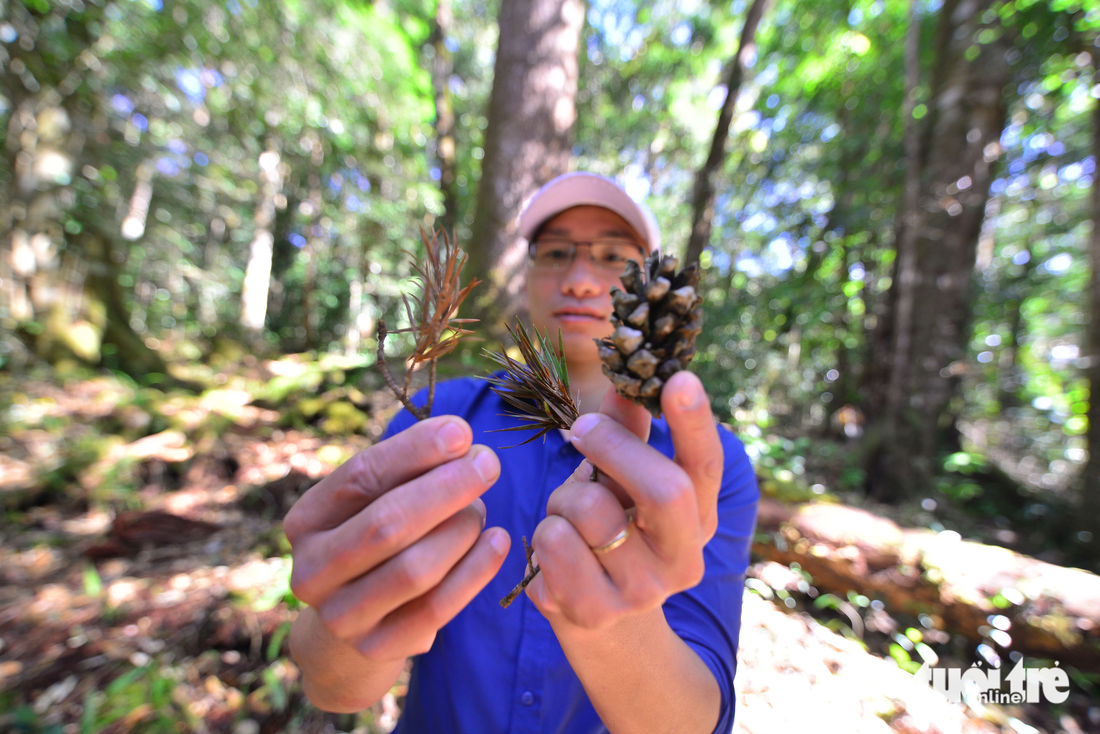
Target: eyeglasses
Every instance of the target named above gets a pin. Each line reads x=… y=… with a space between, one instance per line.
x=609 y=255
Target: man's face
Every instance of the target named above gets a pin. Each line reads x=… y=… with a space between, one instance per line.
x=578 y=299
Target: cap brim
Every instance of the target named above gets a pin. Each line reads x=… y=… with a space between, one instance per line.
x=581 y=189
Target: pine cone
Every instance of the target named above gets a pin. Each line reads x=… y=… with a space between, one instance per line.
x=657 y=317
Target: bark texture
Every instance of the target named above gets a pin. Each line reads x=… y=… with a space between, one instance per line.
x=442 y=67
x=702 y=204
x=919 y=357
x=527 y=141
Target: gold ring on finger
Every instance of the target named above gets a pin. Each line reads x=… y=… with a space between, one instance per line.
x=618 y=539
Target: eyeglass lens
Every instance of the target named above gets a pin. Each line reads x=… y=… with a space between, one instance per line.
x=610 y=255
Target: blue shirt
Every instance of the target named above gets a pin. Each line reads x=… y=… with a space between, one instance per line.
x=493 y=670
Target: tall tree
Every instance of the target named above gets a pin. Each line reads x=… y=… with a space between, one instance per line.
x=702 y=204
x=257 y=276
x=1090 y=490
x=442 y=68
x=527 y=141
x=937 y=238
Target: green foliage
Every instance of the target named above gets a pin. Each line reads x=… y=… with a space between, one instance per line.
x=964 y=462
x=276 y=643
x=93 y=584
x=278 y=592
x=342 y=418
x=336 y=90
x=274 y=689
x=145 y=689
x=901 y=657
x=827 y=601
x=799 y=271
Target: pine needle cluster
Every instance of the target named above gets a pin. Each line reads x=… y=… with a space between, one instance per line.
x=437 y=330
x=537 y=387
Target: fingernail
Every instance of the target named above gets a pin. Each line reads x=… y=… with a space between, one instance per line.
x=486 y=466
x=583 y=425
x=691 y=397
x=499 y=541
x=450 y=438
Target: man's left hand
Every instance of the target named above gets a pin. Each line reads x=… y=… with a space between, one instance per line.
x=673 y=501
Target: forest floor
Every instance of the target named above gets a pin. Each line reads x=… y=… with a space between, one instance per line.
x=144 y=575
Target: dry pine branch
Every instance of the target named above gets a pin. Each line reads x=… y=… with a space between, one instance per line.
x=436 y=328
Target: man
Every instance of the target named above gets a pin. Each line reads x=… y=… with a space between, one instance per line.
x=632 y=623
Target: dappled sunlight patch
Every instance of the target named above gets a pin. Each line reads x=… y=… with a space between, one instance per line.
x=255 y=575
x=87 y=524
x=51 y=602
x=264 y=461
x=195 y=499
x=34 y=400
x=125 y=591
x=170 y=447
x=15 y=474
x=29 y=565
x=190 y=413
x=795 y=675
x=291 y=365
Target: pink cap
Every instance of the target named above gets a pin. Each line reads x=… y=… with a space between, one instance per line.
x=582 y=188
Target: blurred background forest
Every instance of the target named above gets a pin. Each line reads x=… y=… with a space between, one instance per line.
x=205 y=209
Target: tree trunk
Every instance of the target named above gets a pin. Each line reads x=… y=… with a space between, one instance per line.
x=702 y=204
x=311 y=252
x=527 y=141
x=1012 y=377
x=42 y=150
x=1090 y=490
x=444 y=116
x=883 y=371
x=133 y=226
x=209 y=288
x=937 y=245
x=104 y=295
x=362 y=287
x=257 y=276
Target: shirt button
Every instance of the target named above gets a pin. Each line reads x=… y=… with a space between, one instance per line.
x=527 y=698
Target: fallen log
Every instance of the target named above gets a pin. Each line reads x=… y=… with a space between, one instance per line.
x=134 y=530
x=1053 y=611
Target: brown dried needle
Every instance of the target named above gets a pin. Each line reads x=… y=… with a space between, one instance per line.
x=437 y=330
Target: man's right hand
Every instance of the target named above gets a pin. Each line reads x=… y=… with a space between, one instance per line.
x=389 y=547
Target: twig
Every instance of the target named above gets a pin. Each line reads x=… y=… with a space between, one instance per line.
x=532 y=572
x=402 y=395
x=431 y=388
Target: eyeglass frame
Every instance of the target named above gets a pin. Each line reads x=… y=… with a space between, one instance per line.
x=574 y=244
